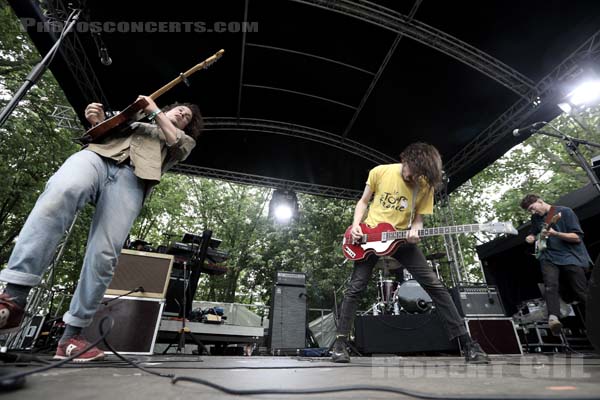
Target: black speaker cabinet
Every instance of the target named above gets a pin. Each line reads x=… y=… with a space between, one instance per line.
x=495 y=335
x=140 y=268
x=287 y=319
x=477 y=301
x=136 y=322
x=405 y=333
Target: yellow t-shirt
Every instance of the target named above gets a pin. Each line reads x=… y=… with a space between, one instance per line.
x=392 y=199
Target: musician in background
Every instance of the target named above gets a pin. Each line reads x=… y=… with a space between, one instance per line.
x=565 y=254
x=402 y=193
x=115 y=175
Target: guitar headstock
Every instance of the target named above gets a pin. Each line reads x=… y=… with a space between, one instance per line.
x=555 y=219
x=212 y=59
x=499 y=227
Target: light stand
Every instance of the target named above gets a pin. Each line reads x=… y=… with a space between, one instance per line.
x=572 y=146
x=39 y=69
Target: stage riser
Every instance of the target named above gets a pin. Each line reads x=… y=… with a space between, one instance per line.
x=409 y=333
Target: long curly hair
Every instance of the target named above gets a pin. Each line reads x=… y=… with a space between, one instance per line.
x=196 y=124
x=424 y=160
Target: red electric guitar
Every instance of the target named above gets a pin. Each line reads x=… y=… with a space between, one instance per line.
x=384 y=239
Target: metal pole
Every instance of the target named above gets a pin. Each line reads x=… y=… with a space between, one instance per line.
x=38 y=70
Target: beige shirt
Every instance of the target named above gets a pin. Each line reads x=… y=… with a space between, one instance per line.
x=145 y=145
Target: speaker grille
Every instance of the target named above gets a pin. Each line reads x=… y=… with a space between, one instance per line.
x=138 y=268
x=288 y=318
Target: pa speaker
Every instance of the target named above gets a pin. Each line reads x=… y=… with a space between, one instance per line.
x=151 y=271
x=287 y=319
x=136 y=322
x=404 y=333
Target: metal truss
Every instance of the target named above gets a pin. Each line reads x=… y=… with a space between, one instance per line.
x=300 y=132
x=429 y=36
x=382 y=66
x=549 y=93
x=66 y=118
x=74 y=55
x=257 y=180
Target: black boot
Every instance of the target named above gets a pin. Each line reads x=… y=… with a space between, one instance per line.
x=474 y=354
x=339 y=352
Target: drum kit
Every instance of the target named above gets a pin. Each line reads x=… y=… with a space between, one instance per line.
x=403 y=295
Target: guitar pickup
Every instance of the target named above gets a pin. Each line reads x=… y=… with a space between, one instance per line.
x=383 y=237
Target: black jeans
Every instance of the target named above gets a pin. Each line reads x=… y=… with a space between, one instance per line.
x=411 y=257
x=575 y=276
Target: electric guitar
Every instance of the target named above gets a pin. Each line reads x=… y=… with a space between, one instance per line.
x=541 y=240
x=384 y=239
x=134 y=112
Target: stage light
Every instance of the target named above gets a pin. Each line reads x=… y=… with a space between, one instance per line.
x=585 y=94
x=283 y=206
x=283 y=213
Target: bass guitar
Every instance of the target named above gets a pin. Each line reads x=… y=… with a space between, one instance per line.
x=384 y=239
x=133 y=112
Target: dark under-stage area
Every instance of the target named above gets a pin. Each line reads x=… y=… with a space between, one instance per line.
x=524 y=377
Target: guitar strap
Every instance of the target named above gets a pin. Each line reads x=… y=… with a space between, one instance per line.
x=549 y=216
x=414 y=204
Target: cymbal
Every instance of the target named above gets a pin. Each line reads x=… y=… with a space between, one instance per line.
x=435 y=256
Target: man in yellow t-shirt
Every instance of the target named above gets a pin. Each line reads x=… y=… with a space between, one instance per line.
x=394 y=188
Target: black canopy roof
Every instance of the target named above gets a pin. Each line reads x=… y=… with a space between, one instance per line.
x=318 y=92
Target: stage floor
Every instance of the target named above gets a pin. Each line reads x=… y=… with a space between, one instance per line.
x=551 y=376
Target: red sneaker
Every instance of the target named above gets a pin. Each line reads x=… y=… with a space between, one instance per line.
x=74 y=345
x=11 y=314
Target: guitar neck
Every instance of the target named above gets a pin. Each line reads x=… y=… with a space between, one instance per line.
x=186 y=74
x=443 y=230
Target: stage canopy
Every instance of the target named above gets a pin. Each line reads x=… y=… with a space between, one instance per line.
x=315 y=93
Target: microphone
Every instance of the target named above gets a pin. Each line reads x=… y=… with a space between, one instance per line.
x=104 y=57
x=532 y=127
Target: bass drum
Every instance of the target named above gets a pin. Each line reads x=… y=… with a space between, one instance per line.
x=413 y=298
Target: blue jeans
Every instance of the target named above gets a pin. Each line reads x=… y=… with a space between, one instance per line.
x=84 y=178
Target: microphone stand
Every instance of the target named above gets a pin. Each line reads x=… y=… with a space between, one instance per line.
x=39 y=69
x=572 y=146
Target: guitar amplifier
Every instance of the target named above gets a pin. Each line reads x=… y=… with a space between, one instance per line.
x=477 y=301
x=290 y=278
x=139 y=268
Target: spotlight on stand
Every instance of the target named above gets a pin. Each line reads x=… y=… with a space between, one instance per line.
x=283 y=206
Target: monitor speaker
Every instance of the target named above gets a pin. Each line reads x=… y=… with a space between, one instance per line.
x=495 y=335
x=139 y=268
x=136 y=322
